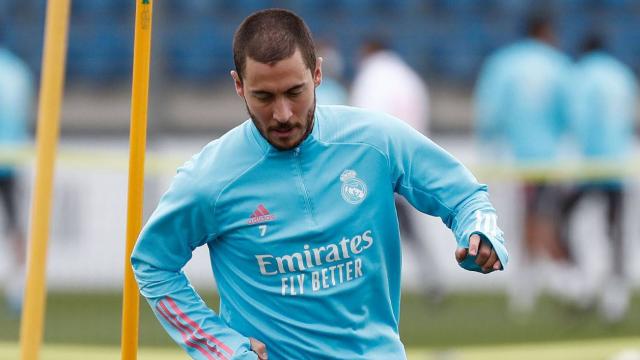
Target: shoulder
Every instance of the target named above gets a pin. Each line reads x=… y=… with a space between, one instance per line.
x=534 y=49
x=14 y=69
x=15 y=63
x=345 y=124
x=502 y=60
x=220 y=162
x=605 y=67
x=616 y=66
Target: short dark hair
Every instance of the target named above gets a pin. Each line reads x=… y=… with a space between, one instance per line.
x=271 y=35
x=538 y=24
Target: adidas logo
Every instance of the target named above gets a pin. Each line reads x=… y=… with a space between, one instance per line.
x=260 y=215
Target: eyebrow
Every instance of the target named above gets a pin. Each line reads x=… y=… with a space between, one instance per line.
x=263 y=92
x=295 y=87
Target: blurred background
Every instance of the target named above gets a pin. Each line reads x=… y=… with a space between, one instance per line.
x=545 y=295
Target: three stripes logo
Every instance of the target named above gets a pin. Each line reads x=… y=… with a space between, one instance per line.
x=487 y=223
x=193 y=336
x=260 y=215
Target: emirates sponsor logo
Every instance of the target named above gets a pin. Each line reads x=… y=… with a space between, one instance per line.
x=317 y=268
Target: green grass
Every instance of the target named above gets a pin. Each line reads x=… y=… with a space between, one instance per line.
x=484 y=319
x=603 y=349
x=462 y=320
x=581 y=350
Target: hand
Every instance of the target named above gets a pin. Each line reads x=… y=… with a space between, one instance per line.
x=486 y=256
x=259 y=348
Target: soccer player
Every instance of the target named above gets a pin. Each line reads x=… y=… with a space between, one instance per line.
x=296 y=206
x=602 y=109
x=521 y=107
x=16 y=94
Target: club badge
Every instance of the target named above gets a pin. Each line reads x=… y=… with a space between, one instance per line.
x=354 y=190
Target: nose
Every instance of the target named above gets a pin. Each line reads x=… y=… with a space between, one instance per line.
x=282 y=110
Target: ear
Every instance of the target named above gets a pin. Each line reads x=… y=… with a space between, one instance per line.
x=238 y=83
x=317 y=73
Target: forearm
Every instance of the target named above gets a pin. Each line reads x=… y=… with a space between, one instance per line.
x=187 y=319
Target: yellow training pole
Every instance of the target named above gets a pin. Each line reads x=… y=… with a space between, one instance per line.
x=137 y=140
x=51 y=88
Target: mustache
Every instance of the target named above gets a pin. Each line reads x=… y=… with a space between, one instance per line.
x=284 y=126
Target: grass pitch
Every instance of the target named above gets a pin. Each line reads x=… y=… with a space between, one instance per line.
x=464 y=326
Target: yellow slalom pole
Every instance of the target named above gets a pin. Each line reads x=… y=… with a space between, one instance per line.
x=51 y=88
x=137 y=143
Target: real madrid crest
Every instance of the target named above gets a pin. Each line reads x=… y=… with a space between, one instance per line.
x=354 y=190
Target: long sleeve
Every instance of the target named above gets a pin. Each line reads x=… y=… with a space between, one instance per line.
x=437 y=184
x=183 y=220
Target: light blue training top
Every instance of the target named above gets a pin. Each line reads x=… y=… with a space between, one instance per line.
x=602 y=107
x=16 y=91
x=304 y=243
x=520 y=100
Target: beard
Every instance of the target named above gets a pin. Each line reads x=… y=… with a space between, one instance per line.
x=286 y=126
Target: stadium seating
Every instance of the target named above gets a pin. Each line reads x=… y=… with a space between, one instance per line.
x=444 y=39
x=197 y=51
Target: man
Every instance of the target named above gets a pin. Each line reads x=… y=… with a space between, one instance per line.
x=385 y=82
x=296 y=208
x=602 y=109
x=15 y=105
x=520 y=106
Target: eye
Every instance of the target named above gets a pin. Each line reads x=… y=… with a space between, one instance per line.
x=263 y=97
x=295 y=93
